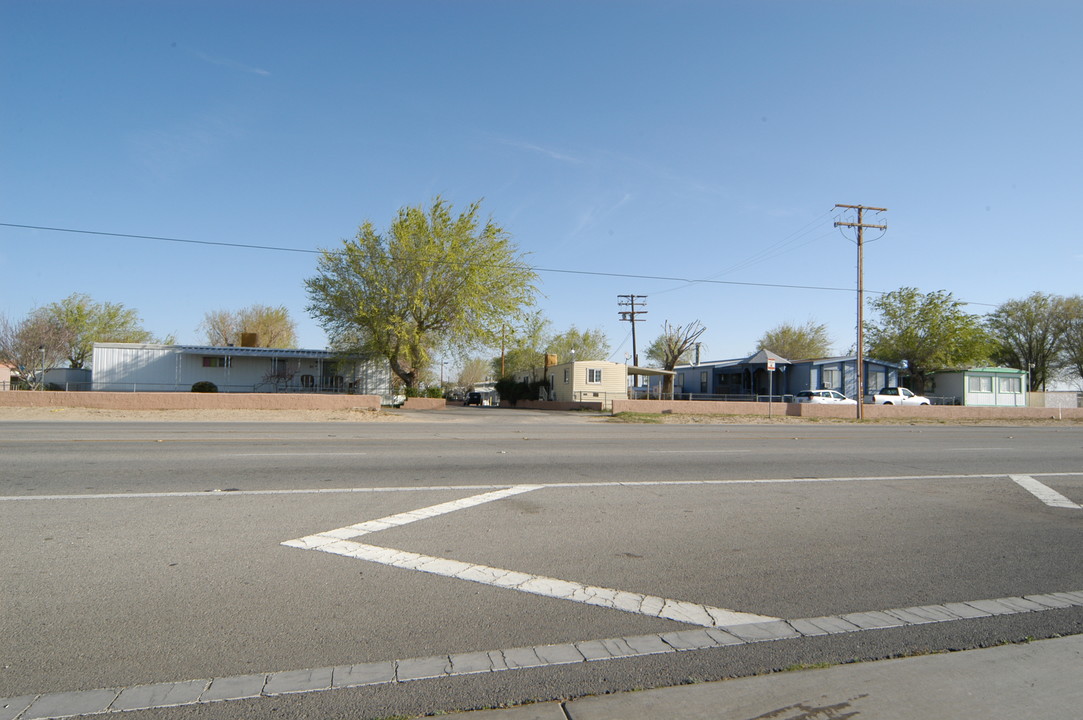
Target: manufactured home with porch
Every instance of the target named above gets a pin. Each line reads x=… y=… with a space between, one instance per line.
x=753 y=378
x=130 y=367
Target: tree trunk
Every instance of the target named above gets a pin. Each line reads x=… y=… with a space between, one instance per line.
x=408 y=375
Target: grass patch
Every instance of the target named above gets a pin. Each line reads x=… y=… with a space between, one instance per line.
x=636 y=417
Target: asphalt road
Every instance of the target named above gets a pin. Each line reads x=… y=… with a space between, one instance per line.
x=142 y=553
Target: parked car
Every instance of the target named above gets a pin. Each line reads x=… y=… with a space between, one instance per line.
x=825 y=397
x=473 y=398
x=897 y=396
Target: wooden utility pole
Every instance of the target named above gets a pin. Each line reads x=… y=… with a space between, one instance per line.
x=860 y=225
x=629 y=315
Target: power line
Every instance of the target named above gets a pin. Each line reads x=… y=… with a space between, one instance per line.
x=564 y=271
x=165 y=239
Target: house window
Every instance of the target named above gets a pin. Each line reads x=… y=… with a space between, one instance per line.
x=980 y=384
x=594 y=375
x=703 y=381
x=831 y=378
x=567 y=374
x=680 y=381
x=876 y=380
x=216 y=361
x=1011 y=385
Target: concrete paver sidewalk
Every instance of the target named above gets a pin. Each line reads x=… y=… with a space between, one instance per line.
x=1041 y=680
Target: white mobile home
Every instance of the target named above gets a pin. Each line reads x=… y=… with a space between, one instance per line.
x=983 y=387
x=130 y=367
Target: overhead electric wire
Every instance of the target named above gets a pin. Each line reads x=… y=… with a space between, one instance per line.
x=592 y=273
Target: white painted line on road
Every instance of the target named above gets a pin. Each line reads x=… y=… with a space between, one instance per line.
x=638 y=603
x=56 y=705
x=321 y=454
x=1046 y=494
x=696 y=452
x=314 y=542
x=337 y=542
x=572 y=485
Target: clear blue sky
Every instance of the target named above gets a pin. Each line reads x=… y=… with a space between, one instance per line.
x=697 y=140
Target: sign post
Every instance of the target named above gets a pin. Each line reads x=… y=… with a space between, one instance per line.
x=770 y=385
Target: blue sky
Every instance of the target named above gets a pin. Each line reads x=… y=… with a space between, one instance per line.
x=694 y=140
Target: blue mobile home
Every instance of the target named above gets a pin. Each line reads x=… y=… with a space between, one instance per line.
x=749 y=378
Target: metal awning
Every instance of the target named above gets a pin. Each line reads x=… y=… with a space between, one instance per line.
x=633 y=370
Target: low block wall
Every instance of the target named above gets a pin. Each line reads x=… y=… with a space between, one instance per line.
x=553 y=405
x=871 y=412
x=424 y=404
x=187 y=401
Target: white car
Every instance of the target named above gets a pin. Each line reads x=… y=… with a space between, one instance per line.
x=898 y=396
x=826 y=397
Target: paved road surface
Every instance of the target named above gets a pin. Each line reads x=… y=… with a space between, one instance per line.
x=154 y=554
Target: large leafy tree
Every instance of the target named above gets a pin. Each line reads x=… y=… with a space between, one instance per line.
x=1072 y=350
x=523 y=346
x=432 y=279
x=797 y=342
x=273 y=326
x=576 y=344
x=473 y=371
x=1031 y=335
x=527 y=345
x=85 y=322
x=673 y=347
x=928 y=331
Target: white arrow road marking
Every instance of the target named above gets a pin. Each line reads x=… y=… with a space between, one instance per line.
x=338 y=542
x=1046 y=494
x=313 y=542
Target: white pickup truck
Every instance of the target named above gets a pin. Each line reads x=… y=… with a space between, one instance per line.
x=896 y=396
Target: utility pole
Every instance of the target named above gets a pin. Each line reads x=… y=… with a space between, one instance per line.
x=860 y=225
x=629 y=315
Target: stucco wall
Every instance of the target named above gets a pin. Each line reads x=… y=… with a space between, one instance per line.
x=188 y=401
x=871 y=412
x=416 y=403
x=556 y=405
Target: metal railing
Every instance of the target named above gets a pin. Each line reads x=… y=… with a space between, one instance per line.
x=327 y=389
x=49 y=386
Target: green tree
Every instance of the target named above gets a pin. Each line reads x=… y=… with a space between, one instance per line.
x=86 y=322
x=797 y=342
x=433 y=279
x=1030 y=335
x=524 y=346
x=1073 y=338
x=473 y=371
x=273 y=326
x=576 y=344
x=926 y=331
x=673 y=347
